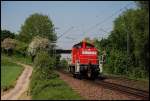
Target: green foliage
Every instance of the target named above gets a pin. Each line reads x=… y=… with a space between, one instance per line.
x=44 y=63
x=52 y=89
x=37 y=24
x=9 y=72
x=18 y=47
x=143 y=4
x=21 y=47
x=117 y=63
x=38 y=44
x=87 y=39
x=19 y=58
x=43 y=60
x=6 y=34
x=63 y=63
x=45 y=83
x=57 y=56
x=135 y=23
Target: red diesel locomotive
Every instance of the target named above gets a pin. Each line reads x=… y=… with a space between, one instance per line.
x=84 y=61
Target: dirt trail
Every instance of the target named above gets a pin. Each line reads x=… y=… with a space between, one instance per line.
x=21 y=84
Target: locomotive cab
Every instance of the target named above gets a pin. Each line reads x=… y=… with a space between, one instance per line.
x=84 y=61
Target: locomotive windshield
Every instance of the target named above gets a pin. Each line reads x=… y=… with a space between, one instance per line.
x=89 y=45
x=78 y=45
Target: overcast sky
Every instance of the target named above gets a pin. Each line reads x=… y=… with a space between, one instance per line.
x=78 y=16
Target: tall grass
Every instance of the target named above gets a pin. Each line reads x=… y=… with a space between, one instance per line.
x=9 y=72
x=51 y=89
x=18 y=58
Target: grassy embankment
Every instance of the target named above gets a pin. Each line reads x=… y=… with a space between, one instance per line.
x=54 y=89
x=9 y=72
x=51 y=89
x=19 y=58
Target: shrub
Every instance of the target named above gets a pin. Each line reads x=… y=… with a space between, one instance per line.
x=45 y=64
x=8 y=45
x=117 y=63
x=63 y=63
x=12 y=45
x=38 y=43
x=21 y=48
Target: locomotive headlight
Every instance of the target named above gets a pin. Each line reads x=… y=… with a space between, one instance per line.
x=89 y=52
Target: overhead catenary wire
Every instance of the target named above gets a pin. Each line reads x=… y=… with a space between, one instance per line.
x=96 y=25
x=65 y=32
x=73 y=39
x=106 y=19
x=70 y=38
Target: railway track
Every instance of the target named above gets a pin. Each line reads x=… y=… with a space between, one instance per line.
x=123 y=89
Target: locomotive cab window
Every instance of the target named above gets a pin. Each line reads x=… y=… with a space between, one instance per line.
x=89 y=45
x=79 y=45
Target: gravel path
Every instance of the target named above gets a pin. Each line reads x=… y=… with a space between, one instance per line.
x=91 y=91
x=21 y=85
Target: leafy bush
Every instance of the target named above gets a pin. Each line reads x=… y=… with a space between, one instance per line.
x=43 y=60
x=138 y=73
x=21 y=48
x=14 y=45
x=8 y=45
x=45 y=64
x=63 y=63
x=118 y=63
x=38 y=43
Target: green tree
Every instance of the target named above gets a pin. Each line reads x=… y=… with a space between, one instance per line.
x=37 y=24
x=37 y=44
x=63 y=63
x=6 y=34
x=44 y=64
x=143 y=4
x=142 y=36
x=21 y=48
x=135 y=23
